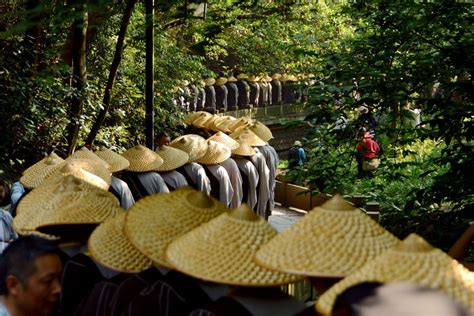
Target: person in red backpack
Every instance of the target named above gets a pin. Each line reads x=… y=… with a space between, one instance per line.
x=367 y=152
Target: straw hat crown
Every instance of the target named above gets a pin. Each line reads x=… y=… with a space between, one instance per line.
x=213 y=125
x=248 y=137
x=155 y=221
x=231 y=79
x=194 y=145
x=173 y=158
x=333 y=240
x=244 y=149
x=191 y=116
x=209 y=81
x=221 y=81
x=85 y=153
x=222 y=138
x=276 y=76
x=216 y=153
x=96 y=167
x=261 y=130
x=242 y=76
x=110 y=247
x=243 y=121
x=412 y=260
x=116 y=162
x=77 y=168
x=224 y=124
x=71 y=201
x=35 y=174
x=223 y=249
x=142 y=159
x=201 y=119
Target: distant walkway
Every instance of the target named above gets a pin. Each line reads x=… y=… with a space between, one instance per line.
x=283 y=217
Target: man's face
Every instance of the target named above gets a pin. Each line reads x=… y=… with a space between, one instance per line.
x=39 y=295
x=165 y=140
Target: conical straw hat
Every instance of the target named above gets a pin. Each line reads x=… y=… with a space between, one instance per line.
x=213 y=124
x=216 y=153
x=231 y=79
x=142 y=159
x=242 y=76
x=95 y=167
x=85 y=153
x=267 y=78
x=110 y=247
x=242 y=121
x=261 y=131
x=35 y=174
x=333 y=240
x=412 y=260
x=248 y=137
x=73 y=201
x=200 y=120
x=222 y=250
x=209 y=81
x=223 y=124
x=38 y=234
x=116 y=161
x=276 y=76
x=208 y=122
x=222 y=138
x=173 y=158
x=221 y=81
x=191 y=116
x=253 y=78
x=244 y=150
x=56 y=179
x=194 y=145
x=153 y=222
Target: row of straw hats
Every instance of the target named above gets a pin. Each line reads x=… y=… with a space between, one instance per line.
x=251 y=78
x=203 y=239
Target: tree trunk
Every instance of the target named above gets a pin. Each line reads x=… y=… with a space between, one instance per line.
x=113 y=72
x=79 y=31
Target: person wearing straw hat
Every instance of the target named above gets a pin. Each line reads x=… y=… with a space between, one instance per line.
x=244 y=91
x=173 y=158
x=276 y=89
x=118 y=187
x=231 y=167
x=330 y=242
x=288 y=88
x=195 y=146
x=7 y=234
x=210 y=104
x=412 y=260
x=36 y=173
x=254 y=90
x=221 y=185
x=233 y=94
x=140 y=175
x=248 y=172
x=221 y=94
x=263 y=95
x=222 y=251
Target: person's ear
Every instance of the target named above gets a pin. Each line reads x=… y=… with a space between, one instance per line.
x=13 y=285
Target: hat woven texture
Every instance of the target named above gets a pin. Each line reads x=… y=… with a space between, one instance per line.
x=85 y=153
x=224 y=123
x=215 y=122
x=201 y=120
x=110 y=247
x=153 y=222
x=223 y=250
x=333 y=240
x=242 y=76
x=412 y=260
x=244 y=149
x=216 y=153
x=276 y=76
x=142 y=159
x=38 y=234
x=194 y=145
x=116 y=161
x=35 y=174
x=95 y=167
x=223 y=138
x=209 y=81
x=243 y=121
x=173 y=158
x=261 y=131
x=221 y=81
x=248 y=137
x=231 y=79
x=191 y=116
x=72 y=202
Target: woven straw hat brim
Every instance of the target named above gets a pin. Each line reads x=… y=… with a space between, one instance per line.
x=223 y=250
x=222 y=138
x=327 y=242
x=213 y=126
x=261 y=131
x=153 y=222
x=190 y=117
x=216 y=153
x=221 y=81
x=34 y=175
x=208 y=123
x=85 y=153
x=95 y=167
x=203 y=120
x=194 y=145
x=231 y=79
x=276 y=76
x=223 y=125
x=142 y=159
x=38 y=234
x=209 y=81
x=173 y=158
x=116 y=162
x=110 y=247
x=74 y=203
x=431 y=268
x=242 y=76
x=244 y=150
x=246 y=136
x=240 y=122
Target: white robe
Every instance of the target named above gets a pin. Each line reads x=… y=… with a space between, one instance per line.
x=121 y=187
x=198 y=175
x=236 y=181
x=174 y=179
x=153 y=182
x=259 y=162
x=272 y=160
x=226 y=192
x=250 y=171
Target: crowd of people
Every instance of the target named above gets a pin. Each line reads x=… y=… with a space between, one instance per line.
x=182 y=230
